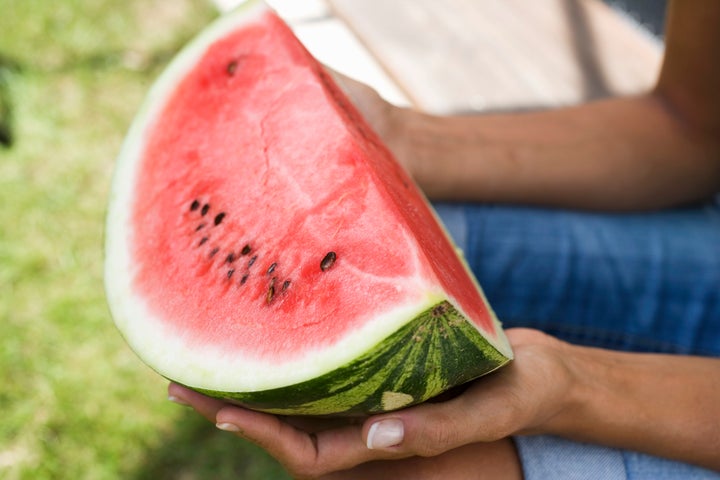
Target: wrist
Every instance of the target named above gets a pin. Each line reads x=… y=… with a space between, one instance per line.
x=425 y=145
x=396 y=132
x=550 y=376
x=596 y=395
x=574 y=392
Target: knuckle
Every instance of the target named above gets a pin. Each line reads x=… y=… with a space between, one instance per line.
x=438 y=436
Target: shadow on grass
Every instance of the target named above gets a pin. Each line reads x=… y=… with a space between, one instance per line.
x=6 y=105
x=195 y=449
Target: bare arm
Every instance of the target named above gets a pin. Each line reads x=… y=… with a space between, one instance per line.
x=650 y=151
x=667 y=405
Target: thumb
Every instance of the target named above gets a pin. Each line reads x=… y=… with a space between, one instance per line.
x=426 y=430
x=385 y=433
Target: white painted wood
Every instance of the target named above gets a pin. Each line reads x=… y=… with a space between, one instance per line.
x=290 y=10
x=334 y=45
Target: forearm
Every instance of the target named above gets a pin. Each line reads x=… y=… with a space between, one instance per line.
x=659 y=404
x=620 y=154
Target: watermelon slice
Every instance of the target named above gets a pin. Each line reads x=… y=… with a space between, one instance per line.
x=263 y=246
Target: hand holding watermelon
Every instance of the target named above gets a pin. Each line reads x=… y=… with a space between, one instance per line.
x=523 y=397
x=552 y=387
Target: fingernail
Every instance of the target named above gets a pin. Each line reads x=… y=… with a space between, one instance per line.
x=177 y=400
x=228 y=427
x=385 y=433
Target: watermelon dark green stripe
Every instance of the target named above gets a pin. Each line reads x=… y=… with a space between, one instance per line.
x=437 y=350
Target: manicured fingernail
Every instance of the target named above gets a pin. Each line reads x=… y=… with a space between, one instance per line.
x=228 y=427
x=177 y=400
x=385 y=433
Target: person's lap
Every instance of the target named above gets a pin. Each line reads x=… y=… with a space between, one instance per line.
x=545 y=457
x=641 y=282
x=637 y=282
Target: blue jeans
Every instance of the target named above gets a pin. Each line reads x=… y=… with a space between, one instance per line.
x=637 y=282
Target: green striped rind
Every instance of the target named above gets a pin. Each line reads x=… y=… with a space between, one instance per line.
x=436 y=351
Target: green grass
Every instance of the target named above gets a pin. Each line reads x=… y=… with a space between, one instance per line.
x=76 y=403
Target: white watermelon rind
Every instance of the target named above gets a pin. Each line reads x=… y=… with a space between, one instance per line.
x=442 y=348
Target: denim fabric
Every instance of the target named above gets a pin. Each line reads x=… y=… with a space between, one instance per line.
x=552 y=458
x=636 y=282
x=639 y=282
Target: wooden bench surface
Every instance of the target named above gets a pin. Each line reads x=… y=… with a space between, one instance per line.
x=449 y=56
x=458 y=55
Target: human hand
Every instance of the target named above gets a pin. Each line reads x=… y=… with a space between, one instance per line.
x=523 y=397
x=384 y=117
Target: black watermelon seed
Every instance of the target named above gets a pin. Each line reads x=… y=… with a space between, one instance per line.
x=252 y=260
x=214 y=251
x=270 y=294
x=245 y=250
x=202 y=241
x=194 y=205
x=219 y=218
x=328 y=261
x=230 y=272
x=231 y=67
x=243 y=279
x=205 y=209
x=199 y=227
x=271 y=269
x=286 y=284
x=230 y=258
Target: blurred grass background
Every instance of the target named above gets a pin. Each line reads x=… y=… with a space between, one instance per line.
x=76 y=403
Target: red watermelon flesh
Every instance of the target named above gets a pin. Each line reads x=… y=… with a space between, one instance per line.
x=261 y=238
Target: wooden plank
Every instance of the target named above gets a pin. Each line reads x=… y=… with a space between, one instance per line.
x=484 y=55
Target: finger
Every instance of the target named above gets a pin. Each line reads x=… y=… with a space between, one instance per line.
x=483 y=413
x=318 y=424
x=204 y=405
x=426 y=431
x=345 y=82
x=479 y=460
x=305 y=455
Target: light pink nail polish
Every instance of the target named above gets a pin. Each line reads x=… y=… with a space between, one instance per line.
x=177 y=400
x=228 y=427
x=385 y=433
